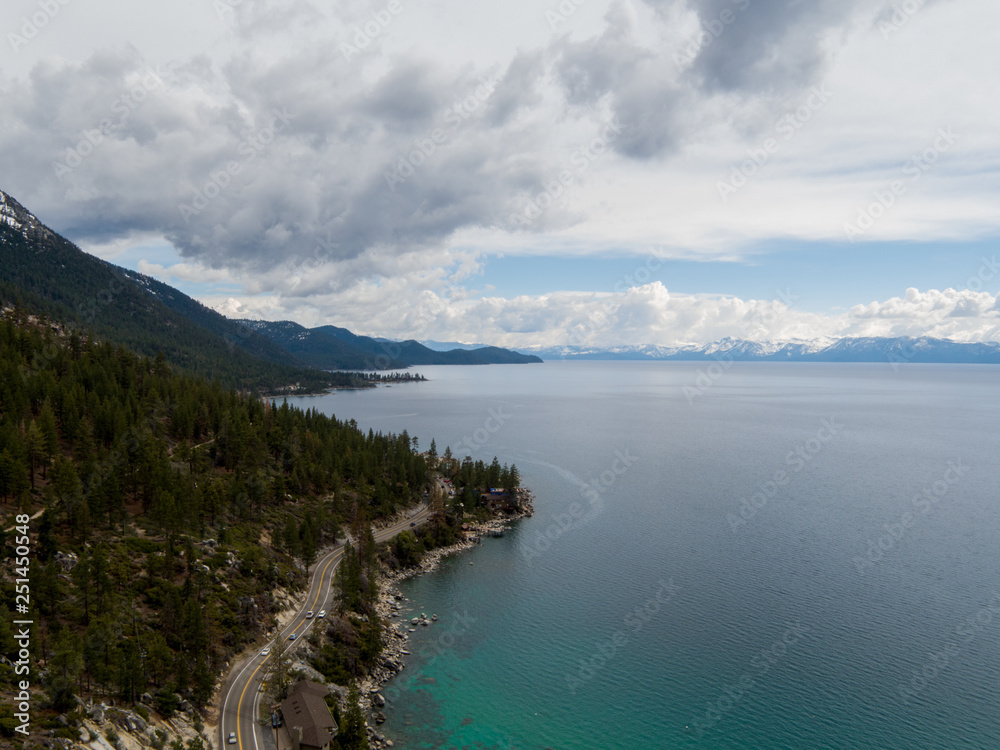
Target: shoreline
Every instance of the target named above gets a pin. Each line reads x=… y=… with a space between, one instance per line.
x=391 y=603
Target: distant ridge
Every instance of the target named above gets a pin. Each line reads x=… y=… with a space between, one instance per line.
x=332 y=348
x=923 y=349
x=44 y=274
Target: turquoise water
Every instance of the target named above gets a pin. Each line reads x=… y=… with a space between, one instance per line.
x=646 y=605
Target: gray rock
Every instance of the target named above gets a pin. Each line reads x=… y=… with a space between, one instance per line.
x=138 y=722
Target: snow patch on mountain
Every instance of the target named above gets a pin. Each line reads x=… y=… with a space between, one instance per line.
x=17 y=217
x=864 y=349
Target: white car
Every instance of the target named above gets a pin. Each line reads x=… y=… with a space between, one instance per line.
x=309 y=614
x=232 y=738
x=292 y=637
x=322 y=614
x=266 y=651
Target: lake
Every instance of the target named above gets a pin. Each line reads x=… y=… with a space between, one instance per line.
x=756 y=556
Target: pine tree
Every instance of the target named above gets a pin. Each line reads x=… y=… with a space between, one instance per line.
x=515 y=478
x=49 y=435
x=35 y=448
x=353 y=735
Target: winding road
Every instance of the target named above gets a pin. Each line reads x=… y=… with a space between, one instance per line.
x=241 y=694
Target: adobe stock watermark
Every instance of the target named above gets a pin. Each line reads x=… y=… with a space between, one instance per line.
x=479 y=438
x=123 y=106
x=224 y=8
x=323 y=252
x=760 y=665
x=706 y=377
x=221 y=178
x=577 y=514
x=922 y=504
x=938 y=661
x=31 y=26
x=459 y=624
x=786 y=127
x=562 y=13
x=427 y=145
x=796 y=460
x=988 y=270
x=581 y=159
x=86 y=312
x=641 y=274
x=913 y=169
x=633 y=624
x=710 y=31
x=364 y=35
x=901 y=15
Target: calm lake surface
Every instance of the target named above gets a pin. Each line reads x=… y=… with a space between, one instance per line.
x=796 y=556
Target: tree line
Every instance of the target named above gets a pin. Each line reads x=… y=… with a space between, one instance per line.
x=173 y=508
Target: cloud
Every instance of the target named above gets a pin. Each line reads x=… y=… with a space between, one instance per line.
x=425 y=307
x=962 y=315
x=325 y=182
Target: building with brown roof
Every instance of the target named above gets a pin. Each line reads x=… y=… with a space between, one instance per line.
x=307 y=723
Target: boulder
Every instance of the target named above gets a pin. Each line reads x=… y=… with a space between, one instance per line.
x=137 y=722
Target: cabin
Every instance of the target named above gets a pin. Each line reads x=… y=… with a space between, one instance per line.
x=307 y=722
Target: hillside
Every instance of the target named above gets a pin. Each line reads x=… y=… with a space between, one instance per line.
x=177 y=515
x=320 y=348
x=45 y=274
x=330 y=347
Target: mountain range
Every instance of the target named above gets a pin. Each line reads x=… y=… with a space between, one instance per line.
x=43 y=273
x=862 y=349
x=330 y=347
x=47 y=274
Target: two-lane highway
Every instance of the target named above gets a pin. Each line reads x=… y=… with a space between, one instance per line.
x=241 y=694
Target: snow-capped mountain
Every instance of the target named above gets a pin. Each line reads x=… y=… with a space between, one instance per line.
x=892 y=350
x=16 y=216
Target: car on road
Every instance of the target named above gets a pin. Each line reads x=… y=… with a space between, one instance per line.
x=292 y=637
x=309 y=614
x=413 y=524
x=232 y=738
x=266 y=651
x=321 y=615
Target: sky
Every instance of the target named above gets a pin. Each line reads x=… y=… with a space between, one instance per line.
x=525 y=173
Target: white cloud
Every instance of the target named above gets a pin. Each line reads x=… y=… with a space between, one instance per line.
x=647 y=314
x=296 y=207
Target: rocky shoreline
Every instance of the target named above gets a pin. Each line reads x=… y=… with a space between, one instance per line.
x=390 y=607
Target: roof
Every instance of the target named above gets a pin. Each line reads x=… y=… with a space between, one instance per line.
x=304 y=707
